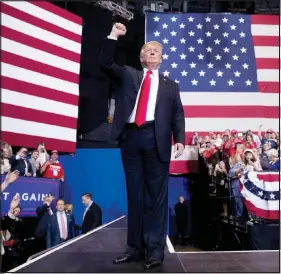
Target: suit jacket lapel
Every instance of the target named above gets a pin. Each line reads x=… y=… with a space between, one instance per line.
x=161 y=87
x=139 y=79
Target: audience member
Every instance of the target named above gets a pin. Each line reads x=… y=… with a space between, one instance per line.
x=43 y=154
x=19 y=162
x=181 y=215
x=274 y=164
x=5 y=163
x=9 y=179
x=35 y=163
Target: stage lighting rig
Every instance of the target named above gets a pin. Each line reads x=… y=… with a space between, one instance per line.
x=115 y=8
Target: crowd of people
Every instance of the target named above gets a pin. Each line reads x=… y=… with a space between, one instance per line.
x=231 y=154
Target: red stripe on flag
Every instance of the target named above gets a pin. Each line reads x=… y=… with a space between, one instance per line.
x=269 y=87
x=265 y=19
x=39 y=44
x=58 y=11
x=269 y=177
x=183 y=167
x=35 y=21
x=39 y=91
x=18 y=139
x=19 y=61
x=268 y=41
x=231 y=111
x=28 y=114
x=267 y=63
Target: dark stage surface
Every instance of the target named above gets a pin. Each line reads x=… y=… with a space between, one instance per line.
x=96 y=251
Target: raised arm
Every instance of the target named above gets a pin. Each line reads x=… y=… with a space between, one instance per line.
x=107 y=64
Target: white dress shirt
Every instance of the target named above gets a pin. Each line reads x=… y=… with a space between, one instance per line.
x=60 y=224
x=152 y=97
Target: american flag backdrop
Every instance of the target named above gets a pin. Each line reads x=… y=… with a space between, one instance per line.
x=40 y=65
x=227 y=68
x=261 y=193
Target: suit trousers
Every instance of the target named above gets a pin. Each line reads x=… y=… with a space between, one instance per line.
x=147 y=191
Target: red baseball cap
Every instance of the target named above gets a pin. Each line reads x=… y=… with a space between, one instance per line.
x=54 y=151
x=234 y=131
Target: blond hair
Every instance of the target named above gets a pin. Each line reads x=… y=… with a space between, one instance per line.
x=150 y=43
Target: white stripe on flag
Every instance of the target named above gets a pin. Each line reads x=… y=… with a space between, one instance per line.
x=265 y=30
x=266 y=52
x=39 y=79
x=266 y=186
x=38 y=103
x=37 y=129
x=45 y=15
x=268 y=75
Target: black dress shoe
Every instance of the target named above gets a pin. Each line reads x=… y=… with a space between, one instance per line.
x=126 y=258
x=152 y=263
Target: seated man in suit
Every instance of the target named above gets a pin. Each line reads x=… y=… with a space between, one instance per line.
x=61 y=226
x=20 y=163
x=92 y=217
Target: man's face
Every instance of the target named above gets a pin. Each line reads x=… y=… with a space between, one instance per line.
x=60 y=205
x=17 y=211
x=54 y=156
x=151 y=55
x=181 y=199
x=35 y=155
x=265 y=147
x=86 y=200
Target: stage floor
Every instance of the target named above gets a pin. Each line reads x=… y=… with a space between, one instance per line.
x=95 y=251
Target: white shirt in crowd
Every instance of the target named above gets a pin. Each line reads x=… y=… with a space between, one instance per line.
x=60 y=224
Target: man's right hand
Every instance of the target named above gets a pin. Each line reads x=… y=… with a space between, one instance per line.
x=118 y=29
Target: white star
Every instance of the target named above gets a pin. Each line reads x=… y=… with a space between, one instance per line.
x=165 y=26
x=208 y=34
x=190 y=19
x=191 y=33
x=212 y=82
x=224 y=20
x=272 y=196
x=194 y=82
x=199 y=26
x=219 y=73
x=230 y=82
x=216 y=26
x=177 y=81
x=241 y=20
x=173 y=33
x=173 y=49
x=226 y=49
x=228 y=66
x=233 y=27
x=156 y=33
x=208 y=19
x=174 y=19
x=218 y=57
x=184 y=73
x=182 y=56
x=192 y=65
x=174 y=65
x=209 y=49
x=182 y=26
x=260 y=193
x=165 y=41
x=245 y=66
x=202 y=73
x=210 y=65
x=225 y=34
x=234 y=42
x=156 y=19
x=248 y=82
x=191 y=49
x=237 y=73
x=165 y=56
x=200 y=56
x=243 y=50
x=242 y=34
x=200 y=41
x=182 y=40
x=166 y=73
x=217 y=41
x=235 y=57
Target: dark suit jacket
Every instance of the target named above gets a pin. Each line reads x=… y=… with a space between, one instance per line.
x=19 y=165
x=92 y=219
x=53 y=233
x=43 y=216
x=169 y=115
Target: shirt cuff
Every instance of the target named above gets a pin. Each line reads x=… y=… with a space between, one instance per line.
x=111 y=37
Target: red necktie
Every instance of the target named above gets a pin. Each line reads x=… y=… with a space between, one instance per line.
x=143 y=100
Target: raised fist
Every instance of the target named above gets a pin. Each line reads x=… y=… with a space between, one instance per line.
x=118 y=29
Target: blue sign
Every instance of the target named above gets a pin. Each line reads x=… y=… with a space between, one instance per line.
x=32 y=192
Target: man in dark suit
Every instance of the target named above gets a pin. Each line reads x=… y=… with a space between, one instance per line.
x=148 y=110
x=20 y=163
x=92 y=216
x=43 y=212
x=61 y=226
